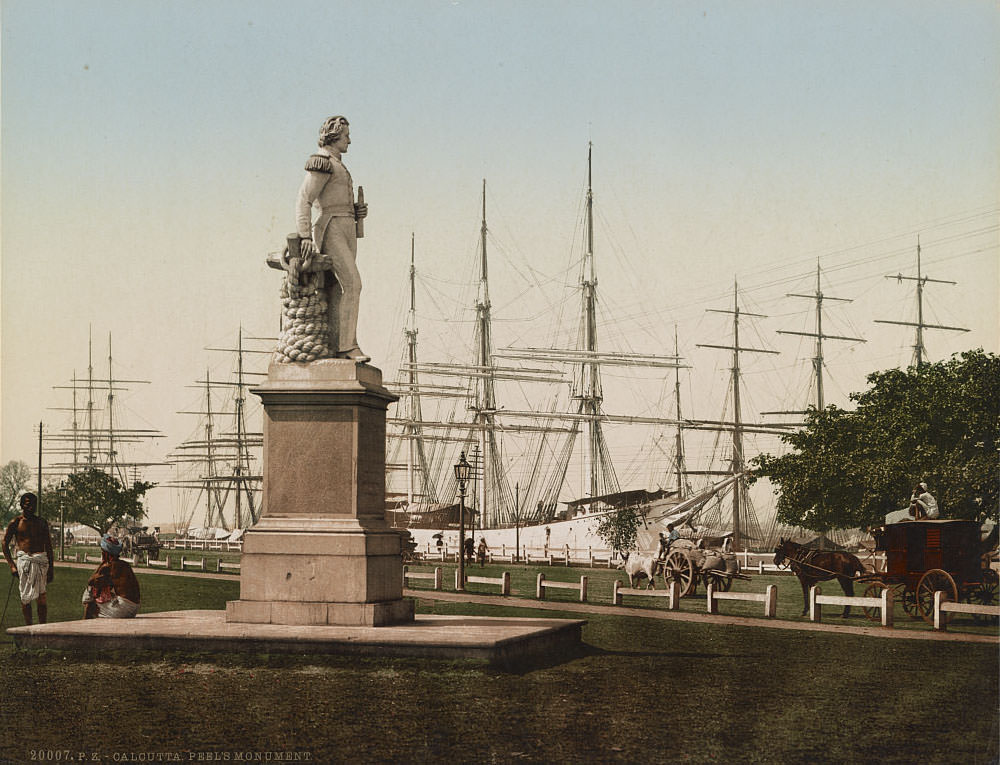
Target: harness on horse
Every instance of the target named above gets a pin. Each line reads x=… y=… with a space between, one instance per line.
x=797 y=561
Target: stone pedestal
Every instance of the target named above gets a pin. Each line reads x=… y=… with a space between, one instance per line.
x=322 y=552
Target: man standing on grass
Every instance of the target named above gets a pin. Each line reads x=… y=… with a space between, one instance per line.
x=33 y=567
x=112 y=591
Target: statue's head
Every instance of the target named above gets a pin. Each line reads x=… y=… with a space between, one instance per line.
x=331 y=130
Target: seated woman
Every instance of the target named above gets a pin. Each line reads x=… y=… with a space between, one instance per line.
x=112 y=591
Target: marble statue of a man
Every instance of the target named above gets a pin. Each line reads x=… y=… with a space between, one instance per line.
x=329 y=190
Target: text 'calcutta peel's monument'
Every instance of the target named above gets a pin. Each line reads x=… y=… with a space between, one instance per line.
x=322 y=552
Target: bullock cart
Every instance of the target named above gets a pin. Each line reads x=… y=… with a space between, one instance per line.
x=687 y=563
x=923 y=557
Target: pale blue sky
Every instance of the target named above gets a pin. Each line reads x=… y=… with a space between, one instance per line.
x=151 y=153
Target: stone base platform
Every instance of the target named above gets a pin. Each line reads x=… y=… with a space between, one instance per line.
x=499 y=641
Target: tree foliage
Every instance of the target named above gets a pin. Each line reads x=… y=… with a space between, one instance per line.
x=938 y=423
x=99 y=500
x=618 y=529
x=15 y=479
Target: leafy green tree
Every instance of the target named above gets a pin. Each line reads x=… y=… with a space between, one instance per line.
x=938 y=423
x=618 y=529
x=15 y=479
x=99 y=500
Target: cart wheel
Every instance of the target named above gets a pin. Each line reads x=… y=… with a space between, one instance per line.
x=908 y=598
x=985 y=594
x=721 y=583
x=874 y=590
x=680 y=569
x=929 y=583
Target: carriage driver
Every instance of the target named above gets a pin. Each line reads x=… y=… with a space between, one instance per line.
x=922 y=503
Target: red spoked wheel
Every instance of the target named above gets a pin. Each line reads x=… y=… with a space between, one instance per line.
x=933 y=581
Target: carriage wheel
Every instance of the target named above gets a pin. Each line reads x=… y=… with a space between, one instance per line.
x=679 y=568
x=985 y=594
x=874 y=590
x=721 y=583
x=908 y=598
x=931 y=582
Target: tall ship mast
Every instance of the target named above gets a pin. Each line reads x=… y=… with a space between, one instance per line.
x=744 y=521
x=100 y=441
x=223 y=452
x=919 y=349
x=551 y=431
x=819 y=336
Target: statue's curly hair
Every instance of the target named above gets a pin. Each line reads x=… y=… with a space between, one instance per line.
x=331 y=130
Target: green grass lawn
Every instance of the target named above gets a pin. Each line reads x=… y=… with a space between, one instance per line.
x=644 y=690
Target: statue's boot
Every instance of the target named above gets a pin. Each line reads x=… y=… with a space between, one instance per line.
x=356 y=354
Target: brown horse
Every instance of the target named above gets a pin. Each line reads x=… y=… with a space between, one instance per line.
x=812 y=566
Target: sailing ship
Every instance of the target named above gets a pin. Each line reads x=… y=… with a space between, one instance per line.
x=97 y=437
x=218 y=464
x=573 y=425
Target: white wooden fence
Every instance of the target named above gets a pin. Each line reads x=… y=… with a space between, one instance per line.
x=769 y=598
x=817 y=600
x=944 y=606
x=541 y=585
x=672 y=593
x=434 y=576
x=213 y=545
x=503 y=581
x=553 y=556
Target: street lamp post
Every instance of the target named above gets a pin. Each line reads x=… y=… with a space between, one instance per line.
x=462 y=472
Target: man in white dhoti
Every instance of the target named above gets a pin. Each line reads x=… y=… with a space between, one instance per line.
x=32 y=562
x=112 y=591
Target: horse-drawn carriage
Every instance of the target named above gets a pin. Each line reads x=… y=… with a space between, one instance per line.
x=138 y=540
x=923 y=557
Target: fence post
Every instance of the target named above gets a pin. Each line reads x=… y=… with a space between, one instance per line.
x=815 y=609
x=437 y=578
x=616 y=597
x=505 y=585
x=405 y=569
x=539 y=589
x=583 y=588
x=888 y=606
x=567 y=555
x=713 y=607
x=940 y=623
x=674 y=599
x=771 y=604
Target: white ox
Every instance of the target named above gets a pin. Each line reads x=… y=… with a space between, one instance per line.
x=638 y=566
